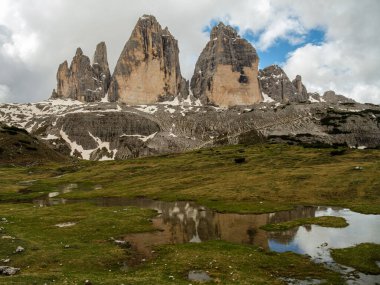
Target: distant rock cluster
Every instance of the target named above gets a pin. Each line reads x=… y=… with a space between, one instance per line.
x=148 y=71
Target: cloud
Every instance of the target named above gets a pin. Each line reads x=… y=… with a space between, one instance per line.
x=36 y=38
x=347 y=61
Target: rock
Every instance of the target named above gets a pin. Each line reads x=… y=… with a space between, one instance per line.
x=8 y=270
x=101 y=68
x=331 y=97
x=83 y=81
x=19 y=249
x=148 y=68
x=301 y=92
x=226 y=71
x=275 y=83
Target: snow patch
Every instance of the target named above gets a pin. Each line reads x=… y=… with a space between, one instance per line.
x=267 y=99
x=147 y=109
x=105 y=99
x=141 y=137
x=312 y=100
x=50 y=137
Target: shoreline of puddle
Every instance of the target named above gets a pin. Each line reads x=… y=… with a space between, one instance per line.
x=186 y=221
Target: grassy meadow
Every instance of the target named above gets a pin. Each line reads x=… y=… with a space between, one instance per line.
x=272 y=178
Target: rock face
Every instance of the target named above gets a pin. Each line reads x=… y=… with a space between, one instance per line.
x=276 y=84
x=226 y=71
x=83 y=81
x=301 y=92
x=148 y=69
x=103 y=131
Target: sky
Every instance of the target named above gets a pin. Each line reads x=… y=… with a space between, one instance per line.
x=332 y=44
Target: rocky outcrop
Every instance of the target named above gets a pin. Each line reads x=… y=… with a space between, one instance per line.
x=101 y=68
x=275 y=83
x=301 y=92
x=102 y=131
x=83 y=81
x=226 y=71
x=148 y=69
x=331 y=97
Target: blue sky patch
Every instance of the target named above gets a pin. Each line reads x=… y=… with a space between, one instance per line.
x=282 y=47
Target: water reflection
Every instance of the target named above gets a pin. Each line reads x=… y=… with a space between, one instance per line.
x=182 y=222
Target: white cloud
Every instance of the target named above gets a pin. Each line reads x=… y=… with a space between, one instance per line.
x=347 y=61
x=35 y=37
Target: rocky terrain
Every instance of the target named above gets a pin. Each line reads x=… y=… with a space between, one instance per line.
x=146 y=107
x=103 y=131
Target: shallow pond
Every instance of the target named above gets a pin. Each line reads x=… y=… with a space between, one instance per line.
x=182 y=222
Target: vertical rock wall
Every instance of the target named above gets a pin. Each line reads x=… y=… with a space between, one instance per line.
x=148 y=69
x=227 y=70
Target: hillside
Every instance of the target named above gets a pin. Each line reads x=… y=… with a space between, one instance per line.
x=18 y=147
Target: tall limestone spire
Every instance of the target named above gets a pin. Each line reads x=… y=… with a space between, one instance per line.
x=227 y=70
x=148 y=68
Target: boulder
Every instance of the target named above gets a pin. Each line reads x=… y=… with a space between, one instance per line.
x=8 y=270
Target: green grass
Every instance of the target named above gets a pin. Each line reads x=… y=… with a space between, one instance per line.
x=324 y=221
x=362 y=257
x=86 y=251
x=274 y=177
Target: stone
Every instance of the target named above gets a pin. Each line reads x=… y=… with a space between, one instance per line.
x=101 y=68
x=8 y=270
x=148 y=68
x=83 y=81
x=276 y=84
x=19 y=249
x=226 y=71
x=332 y=97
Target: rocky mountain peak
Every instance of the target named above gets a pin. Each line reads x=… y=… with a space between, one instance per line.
x=222 y=30
x=83 y=81
x=226 y=71
x=148 y=68
x=78 y=52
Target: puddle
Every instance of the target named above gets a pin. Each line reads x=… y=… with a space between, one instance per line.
x=199 y=276
x=182 y=222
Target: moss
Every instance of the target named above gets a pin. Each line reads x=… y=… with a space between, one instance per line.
x=362 y=257
x=324 y=221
